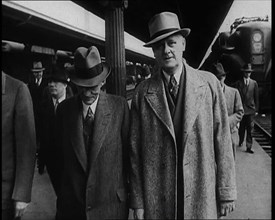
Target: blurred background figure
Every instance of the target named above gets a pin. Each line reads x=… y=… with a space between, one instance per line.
x=18 y=147
x=248 y=89
x=233 y=102
x=57 y=91
x=37 y=85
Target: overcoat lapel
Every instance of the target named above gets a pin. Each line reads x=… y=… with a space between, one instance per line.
x=77 y=134
x=101 y=124
x=157 y=100
x=194 y=95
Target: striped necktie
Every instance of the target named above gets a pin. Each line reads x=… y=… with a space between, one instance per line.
x=173 y=87
x=87 y=127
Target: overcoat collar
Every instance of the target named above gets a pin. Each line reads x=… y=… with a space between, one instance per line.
x=193 y=96
x=101 y=123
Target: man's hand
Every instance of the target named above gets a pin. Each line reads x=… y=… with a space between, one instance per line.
x=226 y=207
x=20 y=208
x=138 y=214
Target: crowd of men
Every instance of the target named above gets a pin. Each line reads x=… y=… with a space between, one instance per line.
x=158 y=156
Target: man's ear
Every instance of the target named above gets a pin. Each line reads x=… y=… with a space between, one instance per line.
x=184 y=43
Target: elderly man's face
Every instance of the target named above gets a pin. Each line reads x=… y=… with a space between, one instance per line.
x=169 y=51
x=89 y=94
x=57 y=89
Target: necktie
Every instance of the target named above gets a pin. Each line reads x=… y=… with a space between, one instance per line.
x=87 y=127
x=173 y=87
x=55 y=106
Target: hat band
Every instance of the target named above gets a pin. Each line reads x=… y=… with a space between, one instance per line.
x=90 y=73
x=165 y=31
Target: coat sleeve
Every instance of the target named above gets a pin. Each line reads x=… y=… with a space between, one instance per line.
x=237 y=116
x=256 y=97
x=25 y=145
x=226 y=177
x=136 y=192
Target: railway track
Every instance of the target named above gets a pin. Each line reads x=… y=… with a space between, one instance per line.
x=262 y=133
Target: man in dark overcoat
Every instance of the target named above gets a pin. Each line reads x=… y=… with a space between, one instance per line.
x=233 y=102
x=18 y=147
x=57 y=91
x=248 y=89
x=182 y=164
x=93 y=136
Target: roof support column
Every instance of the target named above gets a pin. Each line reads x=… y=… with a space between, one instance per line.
x=115 y=47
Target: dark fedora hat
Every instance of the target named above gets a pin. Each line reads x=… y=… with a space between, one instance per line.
x=37 y=66
x=88 y=70
x=163 y=25
x=247 y=68
x=217 y=70
x=58 y=75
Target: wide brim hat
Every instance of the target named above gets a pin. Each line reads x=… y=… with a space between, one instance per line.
x=88 y=70
x=163 y=25
x=247 y=68
x=37 y=67
x=58 y=74
x=218 y=70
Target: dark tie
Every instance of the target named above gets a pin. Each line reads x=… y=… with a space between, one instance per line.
x=55 y=106
x=87 y=127
x=173 y=88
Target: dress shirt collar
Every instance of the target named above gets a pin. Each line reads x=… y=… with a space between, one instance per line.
x=92 y=106
x=62 y=98
x=176 y=75
x=246 y=80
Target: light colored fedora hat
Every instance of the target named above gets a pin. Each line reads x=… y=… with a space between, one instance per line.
x=163 y=25
x=88 y=70
x=37 y=66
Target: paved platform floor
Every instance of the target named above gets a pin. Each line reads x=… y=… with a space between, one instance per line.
x=253 y=184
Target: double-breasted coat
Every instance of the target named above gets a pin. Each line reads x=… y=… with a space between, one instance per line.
x=208 y=163
x=235 y=112
x=94 y=186
x=18 y=142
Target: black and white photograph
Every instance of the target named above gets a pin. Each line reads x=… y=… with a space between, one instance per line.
x=136 y=109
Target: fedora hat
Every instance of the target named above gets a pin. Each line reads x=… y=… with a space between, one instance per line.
x=88 y=70
x=58 y=74
x=163 y=25
x=247 y=68
x=37 y=66
x=218 y=70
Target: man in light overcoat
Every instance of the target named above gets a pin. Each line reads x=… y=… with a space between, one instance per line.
x=182 y=164
x=93 y=136
x=233 y=102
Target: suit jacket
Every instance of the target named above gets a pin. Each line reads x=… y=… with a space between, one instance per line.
x=249 y=95
x=18 y=142
x=94 y=186
x=208 y=163
x=235 y=112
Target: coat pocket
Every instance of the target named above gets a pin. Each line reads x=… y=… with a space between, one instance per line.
x=122 y=195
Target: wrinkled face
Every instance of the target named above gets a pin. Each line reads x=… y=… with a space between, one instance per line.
x=168 y=52
x=247 y=74
x=89 y=94
x=38 y=74
x=57 y=89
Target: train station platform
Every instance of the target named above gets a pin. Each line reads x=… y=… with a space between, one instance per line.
x=253 y=173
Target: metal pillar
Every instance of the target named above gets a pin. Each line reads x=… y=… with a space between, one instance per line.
x=115 y=47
